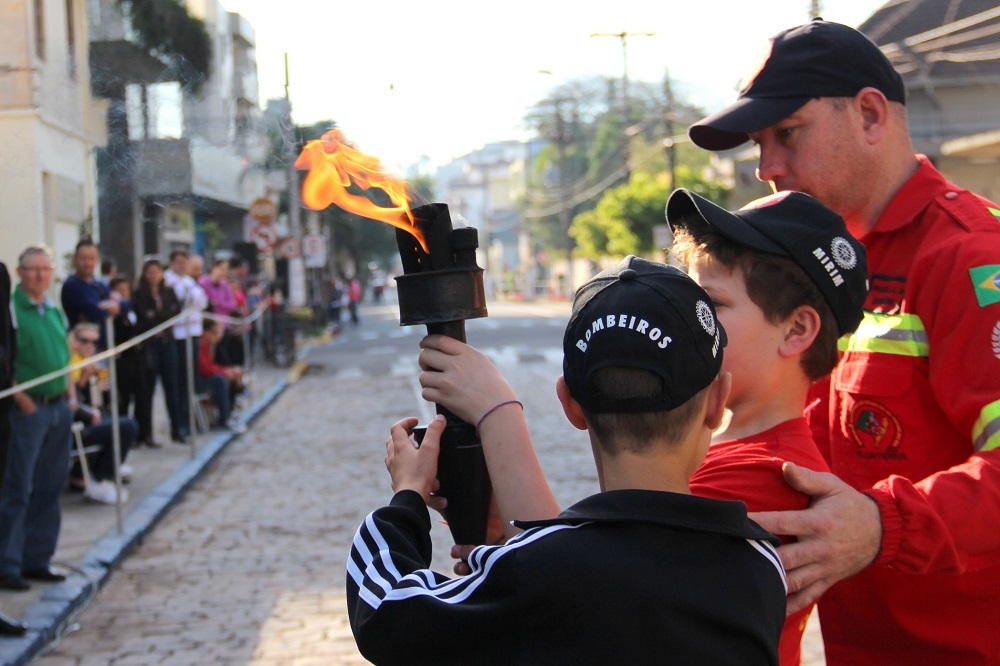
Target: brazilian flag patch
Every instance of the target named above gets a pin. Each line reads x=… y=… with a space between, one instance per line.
x=986 y=281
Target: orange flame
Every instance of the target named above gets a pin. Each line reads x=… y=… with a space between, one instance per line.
x=334 y=165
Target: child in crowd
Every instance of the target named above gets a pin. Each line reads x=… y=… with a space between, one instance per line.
x=92 y=412
x=640 y=572
x=223 y=382
x=787 y=280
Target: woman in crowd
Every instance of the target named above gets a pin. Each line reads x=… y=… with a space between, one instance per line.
x=221 y=301
x=154 y=303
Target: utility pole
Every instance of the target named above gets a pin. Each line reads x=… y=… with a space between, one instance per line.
x=296 y=267
x=626 y=104
x=562 y=139
x=668 y=117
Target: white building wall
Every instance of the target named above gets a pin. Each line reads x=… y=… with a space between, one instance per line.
x=48 y=128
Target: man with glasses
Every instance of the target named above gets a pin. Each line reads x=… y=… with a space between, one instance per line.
x=38 y=456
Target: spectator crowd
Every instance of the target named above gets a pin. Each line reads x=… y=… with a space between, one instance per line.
x=69 y=414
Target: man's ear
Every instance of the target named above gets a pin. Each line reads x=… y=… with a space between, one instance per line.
x=571 y=408
x=800 y=330
x=715 y=400
x=874 y=109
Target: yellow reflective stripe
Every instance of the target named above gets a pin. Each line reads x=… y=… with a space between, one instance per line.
x=986 y=431
x=901 y=334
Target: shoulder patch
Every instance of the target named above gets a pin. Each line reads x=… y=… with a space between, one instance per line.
x=986 y=282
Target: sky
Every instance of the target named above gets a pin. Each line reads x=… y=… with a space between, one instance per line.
x=441 y=78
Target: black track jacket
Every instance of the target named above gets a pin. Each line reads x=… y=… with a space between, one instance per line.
x=626 y=576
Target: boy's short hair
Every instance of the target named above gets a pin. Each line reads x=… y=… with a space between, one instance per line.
x=637 y=431
x=643 y=338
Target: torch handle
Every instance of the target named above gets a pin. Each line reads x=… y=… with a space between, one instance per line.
x=462 y=471
x=456 y=330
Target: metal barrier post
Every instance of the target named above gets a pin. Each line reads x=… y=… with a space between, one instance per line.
x=116 y=433
x=192 y=400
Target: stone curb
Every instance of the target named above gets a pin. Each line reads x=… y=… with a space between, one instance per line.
x=62 y=602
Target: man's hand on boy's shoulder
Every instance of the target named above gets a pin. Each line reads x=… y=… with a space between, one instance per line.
x=412 y=467
x=837 y=536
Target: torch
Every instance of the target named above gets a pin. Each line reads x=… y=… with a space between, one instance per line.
x=441 y=287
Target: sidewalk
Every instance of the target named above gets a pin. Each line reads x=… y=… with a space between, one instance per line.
x=90 y=544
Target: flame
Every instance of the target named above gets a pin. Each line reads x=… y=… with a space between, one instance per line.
x=334 y=165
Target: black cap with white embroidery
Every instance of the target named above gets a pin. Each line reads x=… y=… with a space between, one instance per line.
x=645 y=315
x=793 y=225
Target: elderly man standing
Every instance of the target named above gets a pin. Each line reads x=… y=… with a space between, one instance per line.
x=38 y=457
x=193 y=300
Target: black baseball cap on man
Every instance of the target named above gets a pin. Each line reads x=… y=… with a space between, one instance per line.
x=645 y=315
x=796 y=226
x=817 y=59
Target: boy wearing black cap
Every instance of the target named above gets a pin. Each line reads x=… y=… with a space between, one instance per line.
x=787 y=281
x=911 y=422
x=639 y=573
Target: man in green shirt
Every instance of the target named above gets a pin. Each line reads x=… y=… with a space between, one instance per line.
x=38 y=455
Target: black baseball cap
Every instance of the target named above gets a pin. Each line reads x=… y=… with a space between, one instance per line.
x=796 y=226
x=817 y=59
x=646 y=315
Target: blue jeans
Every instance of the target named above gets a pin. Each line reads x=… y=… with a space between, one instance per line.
x=103 y=466
x=218 y=387
x=161 y=359
x=37 y=467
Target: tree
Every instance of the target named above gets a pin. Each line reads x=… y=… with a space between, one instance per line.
x=609 y=176
x=165 y=27
x=623 y=220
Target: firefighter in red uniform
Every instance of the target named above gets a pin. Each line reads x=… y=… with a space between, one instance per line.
x=910 y=419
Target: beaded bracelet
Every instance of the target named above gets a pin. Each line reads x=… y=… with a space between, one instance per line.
x=495 y=408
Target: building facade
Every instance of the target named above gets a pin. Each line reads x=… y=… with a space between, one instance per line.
x=50 y=126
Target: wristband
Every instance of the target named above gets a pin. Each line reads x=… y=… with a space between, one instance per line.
x=495 y=408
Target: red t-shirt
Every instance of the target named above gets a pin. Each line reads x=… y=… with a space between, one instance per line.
x=207 y=367
x=749 y=470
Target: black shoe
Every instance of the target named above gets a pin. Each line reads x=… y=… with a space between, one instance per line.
x=45 y=575
x=14 y=582
x=180 y=438
x=150 y=444
x=9 y=627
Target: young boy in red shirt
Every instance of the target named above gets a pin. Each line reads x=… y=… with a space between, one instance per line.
x=787 y=280
x=221 y=381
